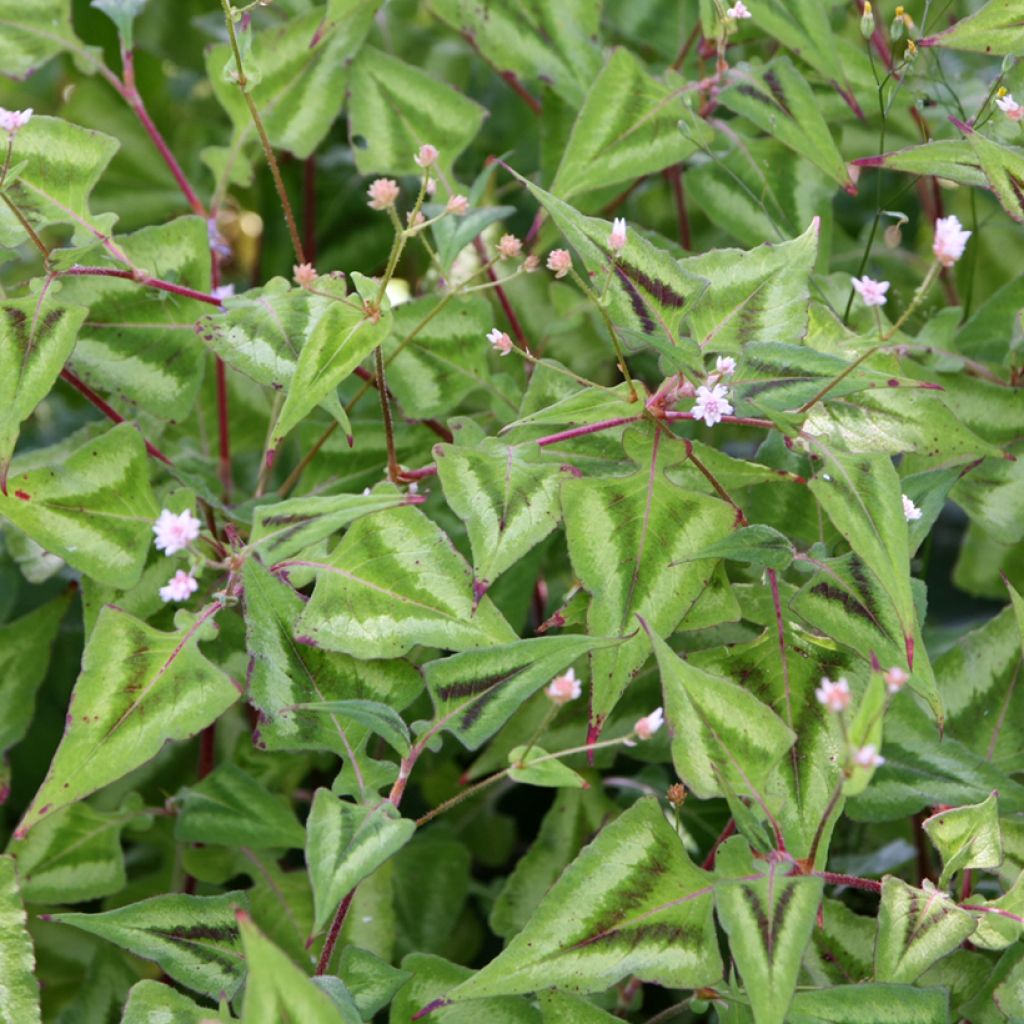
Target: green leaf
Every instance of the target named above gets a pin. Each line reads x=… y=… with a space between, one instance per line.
x=152 y=1002
x=373 y=982
x=73 y=856
x=453 y=234
x=995 y=30
x=768 y=921
x=560 y=1008
x=722 y=735
x=626 y=128
x=37 y=335
x=551 y=773
x=476 y=692
x=138 y=688
x=780 y=102
x=346 y=843
x=915 y=928
x=631 y=541
x=395 y=107
x=231 y=808
x=506 y=496
x=123 y=14
x=303 y=69
x=953 y=159
x=32 y=35
x=758 y=545
x=194 y=939
x=966 y=837
x=632 y=903
x=428 y=915
x=870 y=1004
x=377 y=717
x=998 y=930
x=20 y=1003
x=756 y=295
x=1004 y=169
x=94 y=508
x=393 y=582
x=58 y=165
x=866 y=730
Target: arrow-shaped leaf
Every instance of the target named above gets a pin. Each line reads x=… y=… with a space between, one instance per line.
x=966 y=837
x=995 y=29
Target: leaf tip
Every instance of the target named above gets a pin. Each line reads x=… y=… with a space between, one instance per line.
x=437 y=1004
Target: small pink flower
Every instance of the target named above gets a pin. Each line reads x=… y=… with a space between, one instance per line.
x=712 y=404
x=1010 y=107
x=738 y=12
x=180 y=587
x=725 y=365
x=563 y=689
x=304 y=274
x=414 y=218
x=458 y=205
x=647 y=726
x=383 y=193
x=427 y=155
x=173 y=532
x=531 y=263
x=872 y=292
x=868 y=757
x=509 y=247
x=617 y=239
x=835 y=696
x=910 y=511
x=431 y=186
x=950 y=240
x=559 y=262
x=500 y=341
x=895 y=679
x=12 y=120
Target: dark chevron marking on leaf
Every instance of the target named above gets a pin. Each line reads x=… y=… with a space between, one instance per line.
x=778 y=92
x=752 y=92
x=637 y=301
x=472 y=688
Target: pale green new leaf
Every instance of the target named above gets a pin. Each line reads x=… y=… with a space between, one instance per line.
x=372 y=981
x=37 y=335
x=393 y=582
x=758 y=545
x=231 y=808
x=632 y=903
x=768 y=921
x=32 y=34
x=626 y=128
x=139 y=687
x=194 y=939
x=870 y=1004
x=395 y=108
x=551 y=773
x=996 y=30
x=19 y=989
x=346 y=843
x=953 y=159
x=915 y=928
x=95 y=508
x=151 y=1002
x=966 y=837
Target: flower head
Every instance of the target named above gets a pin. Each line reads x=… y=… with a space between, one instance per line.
x=834 y=695
x=910 y=511
x=173 y=532
x=647 y=726
x=383 y=193
x=180 y=587
x=671 y=391
x=1010 y=107
x=509 y=247
x=871 y=291
x=12 y=120
x=725 y=365
x=712 y=404
x=564 y=688
x=304 y=274
x=738 y=11
x=458 y=205
x=414 y=218
x=950 y=240
x=868 y=757
x=559 y=262
x=531 y=263
x=500 y=341
x=426 y=156
x=617 y=239
x=895 y=679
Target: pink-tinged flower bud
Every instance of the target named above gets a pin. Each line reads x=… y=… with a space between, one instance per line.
x=871 y=291
x=868 y=757
x=427 y=156
x=414 y=218
x=647 y=726
x=304 y=274
x=383 y=193
x=509 y=247
x=180 y=587
x=531 y=263
x=173 y=532
x=834 y=695
x=617 y=239
x=12 y=120
x=895 y=679
x=1009 y=106
x=559 y=262
x=738 y=11
x=563 y=689
x=950 y=240
x=500 y=341
x=910 y=511
x=712 y=404
x=725 y=366
x=431 y=186
x=671 y=391
x=225 y=291
x=458 y=205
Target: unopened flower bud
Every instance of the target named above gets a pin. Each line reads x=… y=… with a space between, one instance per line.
x=867 y=22
x=898 y=26
x=676 y=794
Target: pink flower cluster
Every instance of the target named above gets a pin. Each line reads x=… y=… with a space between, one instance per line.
x=174 y=533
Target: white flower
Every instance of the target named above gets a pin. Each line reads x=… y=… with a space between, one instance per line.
x=834 y=695
x=383 y=193
x=500 y=341
x=427 y=155
x=895 y=679
x=1010 y=107
x=910 y=511
x=950 y=240
x=180 y=587
x=12 y=120
x=647 y=726
x=712 y=404
x=738 y=11
x=559 y=262
x=564 y=688
x=617 y=239
x=871 y=291
x=173 y=532
x=868 y=757
x=225 y=291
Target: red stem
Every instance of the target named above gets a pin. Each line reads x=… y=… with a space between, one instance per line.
x=520 y=90
x=729 y=830
x=148 y=282
x=743 y=421
x=590 y=428
x=331 y=941
x=224 y=429
x=309 y=208
x=853 y=881
x=510 y=313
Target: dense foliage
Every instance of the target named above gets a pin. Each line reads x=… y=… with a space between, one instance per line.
x=511 y=511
